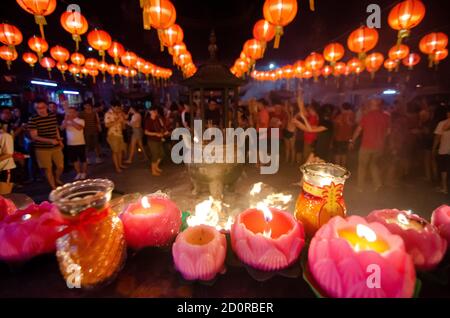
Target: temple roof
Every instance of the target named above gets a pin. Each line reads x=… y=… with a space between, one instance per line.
x=213 y=75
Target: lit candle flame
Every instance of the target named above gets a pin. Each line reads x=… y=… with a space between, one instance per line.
x=402 y=219
x=256 y=188
x=365 y=232
x=267 y=217
x=145 y=203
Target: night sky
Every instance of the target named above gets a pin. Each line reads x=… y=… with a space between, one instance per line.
x=233 y=21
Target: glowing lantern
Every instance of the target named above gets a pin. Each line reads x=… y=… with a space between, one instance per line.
x=112 y=70
x=288 y=71
x=48 y=63
x=172 y=35
x=77 y=59
x=279 y=13
x=99 y=40
x=91 y=64
x=74 y=70
x=116 y=50
x=30 y=58
x=390 y=65
x=159 y=14
x=84 y=71
x=93 y=73
x=333 y=52
x=254 y=49
x=399 y=52
x=183 y=59
x=59 y=53
x=405 y=16
x=129 y=59
x=147 y=69
x=39 y=8
x=355 y=65
x=431 y=43
x=62 y=67
x=411 y=60
x=362 y=40
x=374 y=62
x=299 y=68
x=10 y=35
x=103 y=67
x=8 y=55
x=76 y=24
x=38 y=45
x=327 y=71
x=307 y=74
x=263 y=31
x=178 y=49
x=315 y=62
x=439 y=55
x=339 y=69
x=140 y=62
x=120 y=70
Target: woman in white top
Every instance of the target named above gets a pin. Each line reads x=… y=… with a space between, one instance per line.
x=76 y=144
x=138 y=134
x=6 y=160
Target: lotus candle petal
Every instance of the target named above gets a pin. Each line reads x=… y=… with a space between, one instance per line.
x=154 y=221
x=7 y=207
x=422 y=239
x=441 y=220
x=351 y=258
x=199 y=252
x=29 y=232
x=267 y=244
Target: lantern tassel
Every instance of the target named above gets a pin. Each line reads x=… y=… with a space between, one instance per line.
x=40 y=20
x=8 y=65
x=312 y=5
x=430 y=61
x=93 y=79
x=77 y=39
x=160 y=41
x=278 y=34
x=402 y=34
x=49 y=73
x=104 y=77
x=63 y=76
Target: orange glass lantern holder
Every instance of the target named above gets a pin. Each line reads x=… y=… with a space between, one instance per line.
x=405 y=16
x=322 y=195
x=38 y=45
x=279 y=13
x=39 y=8
x=76 y=24
x=10 y=35
x=8 y=54
x=362 y=40
x=100 y=40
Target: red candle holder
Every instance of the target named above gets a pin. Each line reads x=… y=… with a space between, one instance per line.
x=7 y=207
x=422 y=240
x=153 y=221
x=267 y=240
x=199 y=252
x=441 y=220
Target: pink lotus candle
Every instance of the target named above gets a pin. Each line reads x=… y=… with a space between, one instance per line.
x=199 y=252
x=154 y=221
x=7 y=207
x=441 y=220
x=267 y=239
x=30 y=232
x=351 y=258
x=422 y=240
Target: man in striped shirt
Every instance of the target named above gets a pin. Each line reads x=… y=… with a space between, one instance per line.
x=48 y=144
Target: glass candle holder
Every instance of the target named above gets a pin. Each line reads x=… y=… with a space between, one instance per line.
x=322 y=195
x=93 y=248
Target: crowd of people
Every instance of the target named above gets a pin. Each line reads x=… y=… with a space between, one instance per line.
x=393 y=141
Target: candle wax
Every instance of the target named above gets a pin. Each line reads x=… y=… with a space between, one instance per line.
x=256 y=223
x=406 y=223
x=360 y=243
x=199 y=237
x=154 y=208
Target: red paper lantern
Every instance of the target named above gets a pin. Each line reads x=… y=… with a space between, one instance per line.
x=30 y=58
x=39 y=8
x=59 y=53
x=254 y=49
x=299 y=68
x=288 y=71
x=8 y=54
x=38 y=45
x=99 y=40
x=391 y=65
x=62 y=67
x=91 y=63
x=439 y=55
x=129 y=59
x=279 y=13
x=327 y=71
x=178 y=49
x=314 y=61
x=362 y=40
x=339 y=69
x=77 y=59
x=263 y=31
x=431 y=43
x=160 y=14
x=411 y=60
x=116 y=50
x=355 y=65
x=112 y=69
x=333 y=52
x=48 y=63
x=74 y=69
x=399 y=52
x=374 y=62
x=76 y=24
x=10 y=35
x=405 y=16
x=172 y=35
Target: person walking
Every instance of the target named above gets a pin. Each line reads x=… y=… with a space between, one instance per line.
x=137 y=135
x=48 y=144
x=92 y=130
x=7 y=164
x=441 y=147
x=76 y=145
x=114 y=122
x=154 y=130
